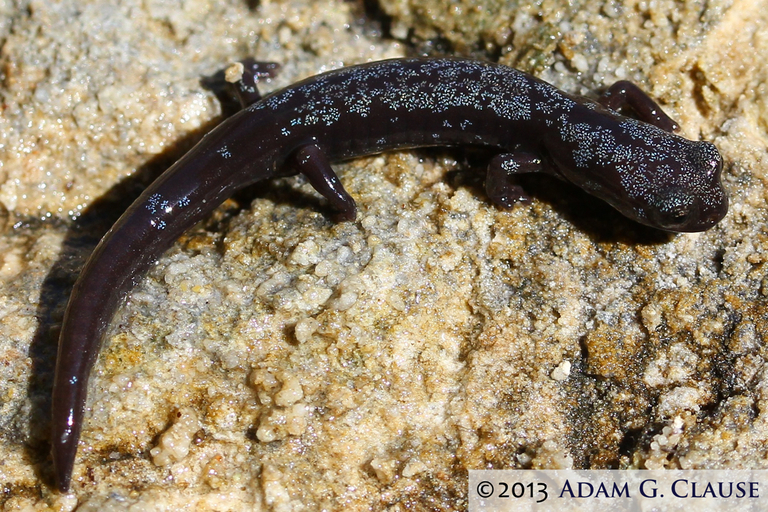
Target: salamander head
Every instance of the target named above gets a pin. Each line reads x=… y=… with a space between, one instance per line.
x=692 y=198
x=652 y=176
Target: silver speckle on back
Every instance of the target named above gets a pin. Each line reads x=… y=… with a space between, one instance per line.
x=637 y=167
x=434 y=85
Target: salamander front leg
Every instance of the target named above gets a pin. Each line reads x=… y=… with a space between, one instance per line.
x=244 y=76
x=310 y=161
x=498 y=186
x=626 y=94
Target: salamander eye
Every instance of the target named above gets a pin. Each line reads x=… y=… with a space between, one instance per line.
x=674 y=210
x=679 y=216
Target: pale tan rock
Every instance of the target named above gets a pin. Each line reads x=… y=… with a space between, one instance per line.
x=371 y=364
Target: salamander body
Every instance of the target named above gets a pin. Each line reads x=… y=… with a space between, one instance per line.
x=638 y=166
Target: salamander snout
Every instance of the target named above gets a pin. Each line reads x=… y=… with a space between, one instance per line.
x=681 y=211
x=697 y=200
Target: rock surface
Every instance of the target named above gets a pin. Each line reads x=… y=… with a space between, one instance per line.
x=273 y=359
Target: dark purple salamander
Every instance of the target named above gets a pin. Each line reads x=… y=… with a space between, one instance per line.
x=640 y=168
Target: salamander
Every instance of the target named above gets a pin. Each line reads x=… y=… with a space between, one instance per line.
x=634 y=163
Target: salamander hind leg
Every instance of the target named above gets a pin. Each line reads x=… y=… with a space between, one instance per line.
x=498 y=186
x=244 y=76
x=310 y=161
x=626 y=94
